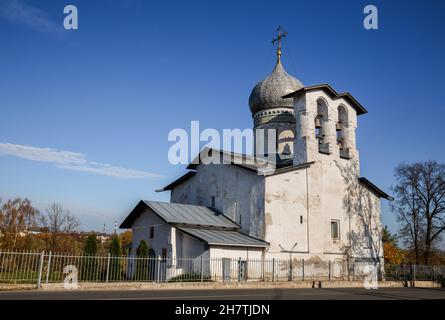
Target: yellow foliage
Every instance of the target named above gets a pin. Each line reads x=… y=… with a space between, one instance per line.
x=392 y=254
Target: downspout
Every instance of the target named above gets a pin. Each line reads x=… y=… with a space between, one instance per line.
x=307 y=208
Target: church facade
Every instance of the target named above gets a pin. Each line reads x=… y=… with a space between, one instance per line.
x=314 y=205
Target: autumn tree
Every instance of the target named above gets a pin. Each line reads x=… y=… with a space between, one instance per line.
x=59 y=224
x=392 y=254
x=125 y=239
x=420 y=206
x=16 y=217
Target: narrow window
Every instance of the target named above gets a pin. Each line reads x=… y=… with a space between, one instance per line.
x=342 y=133
x=321 y=124
x=164 y=253
x=335 y=229
x=213 y=202
x=152 y=232
x=301 y=219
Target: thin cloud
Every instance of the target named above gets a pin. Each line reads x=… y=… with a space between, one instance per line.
x=72 y=161
x=18 y=11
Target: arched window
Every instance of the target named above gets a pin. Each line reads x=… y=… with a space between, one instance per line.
x=321 y=120
x=342 y=134
x=286 y=144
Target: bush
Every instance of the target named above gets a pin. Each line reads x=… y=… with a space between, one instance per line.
x=190 y=277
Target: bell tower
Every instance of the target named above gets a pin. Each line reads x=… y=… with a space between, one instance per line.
x=325 y=125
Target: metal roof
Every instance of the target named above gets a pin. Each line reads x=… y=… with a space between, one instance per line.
x=185 y=214
x=224 y=237
x=334 y=94
x=379 y=192
x=267 y=94
x=180 y=180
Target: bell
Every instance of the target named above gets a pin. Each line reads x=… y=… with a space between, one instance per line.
x=317 y=123
x=340 y=142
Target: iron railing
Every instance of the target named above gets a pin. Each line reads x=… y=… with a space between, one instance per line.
x=48 y=267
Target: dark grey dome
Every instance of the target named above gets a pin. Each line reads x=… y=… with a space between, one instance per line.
x=268 y=93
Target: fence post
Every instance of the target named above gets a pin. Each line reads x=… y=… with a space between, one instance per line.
x=303 y=269
x=273 y=269
x=108 y=268
x=39 y=277
x=239 y=269
x=290 y=265
x=49 y=267
x=202 y=270
x=158 y=269
x=353 y=270
x=329 y=270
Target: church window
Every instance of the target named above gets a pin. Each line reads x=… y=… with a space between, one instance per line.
x=335 y=229
x=212 y=201
x=301 y=219
x=152 y=232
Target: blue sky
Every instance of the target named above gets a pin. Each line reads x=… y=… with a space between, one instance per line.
x=108 y=94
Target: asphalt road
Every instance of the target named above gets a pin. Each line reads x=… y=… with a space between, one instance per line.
x=232 y=294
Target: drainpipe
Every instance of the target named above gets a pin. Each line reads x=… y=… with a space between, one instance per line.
x=307 y=208
x=173 y=244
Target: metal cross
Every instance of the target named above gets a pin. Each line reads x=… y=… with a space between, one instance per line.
x=281 y=34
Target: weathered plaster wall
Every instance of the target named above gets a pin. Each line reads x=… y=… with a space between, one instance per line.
x=186 y=246
x=285 y=206
x=327 y=190
x=238 y=193
x=235 y=252
x=306 y=144
x=141 y=231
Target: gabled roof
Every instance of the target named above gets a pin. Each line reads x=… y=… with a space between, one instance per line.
x=200 y=222
x=248 y=162
x=333 y=94
x=224 y=237
x=379 y=192
x=178 y=181
x=243 y=160
x=181 y=214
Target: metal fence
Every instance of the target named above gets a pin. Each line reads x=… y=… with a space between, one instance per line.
x=47 y=267
x=415 y=273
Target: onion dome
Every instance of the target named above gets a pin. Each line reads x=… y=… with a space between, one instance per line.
x=267 y=94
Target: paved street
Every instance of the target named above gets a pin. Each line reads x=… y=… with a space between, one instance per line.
x=233 y=294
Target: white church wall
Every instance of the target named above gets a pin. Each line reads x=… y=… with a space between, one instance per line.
x=191 y=247
x=233 y=262
x=233 y=252
x=328 y=190
x=141 y=231
x=286 y=219
x=238 y=192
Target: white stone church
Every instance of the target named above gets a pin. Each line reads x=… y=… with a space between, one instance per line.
x=315 y=205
